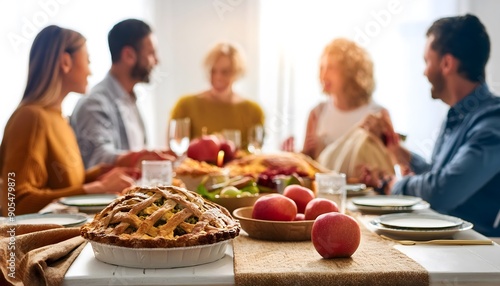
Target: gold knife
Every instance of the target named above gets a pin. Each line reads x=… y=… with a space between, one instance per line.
x=442 y=241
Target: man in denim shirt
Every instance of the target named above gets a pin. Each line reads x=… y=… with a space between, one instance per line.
x=463 y=178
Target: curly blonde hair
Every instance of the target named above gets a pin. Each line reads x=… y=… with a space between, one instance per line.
x=229 y=50
x=357 y=69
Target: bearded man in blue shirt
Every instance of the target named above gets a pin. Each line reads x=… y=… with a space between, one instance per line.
x=463 y=178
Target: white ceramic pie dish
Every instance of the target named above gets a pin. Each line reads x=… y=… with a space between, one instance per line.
x=159 y=257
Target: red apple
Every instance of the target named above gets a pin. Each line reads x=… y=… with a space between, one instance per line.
x=299 y=217
x=204 y=148
x=319 y=206
x=300 y=195
x=335 y=235
x=274 y=207
x=229 y=150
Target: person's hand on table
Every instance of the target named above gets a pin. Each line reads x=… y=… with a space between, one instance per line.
x=113 y=182
x=102 y=168
x=379 y=180
x=134 y=159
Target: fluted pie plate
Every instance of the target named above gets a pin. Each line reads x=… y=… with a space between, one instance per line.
x=160 y=227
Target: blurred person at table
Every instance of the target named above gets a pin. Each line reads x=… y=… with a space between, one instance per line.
x=346 y=74
x=107 y=122
x=39 y=156
x=219 y=107
x=463 y=177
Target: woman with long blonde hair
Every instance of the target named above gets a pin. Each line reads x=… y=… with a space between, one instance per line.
x=39 y=156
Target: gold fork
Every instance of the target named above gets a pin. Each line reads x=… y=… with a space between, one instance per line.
x=442 y=241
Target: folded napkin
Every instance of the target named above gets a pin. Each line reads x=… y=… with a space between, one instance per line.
x=355 y=148
x=37 y=254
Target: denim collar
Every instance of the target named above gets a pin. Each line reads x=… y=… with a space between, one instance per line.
x=468 y=104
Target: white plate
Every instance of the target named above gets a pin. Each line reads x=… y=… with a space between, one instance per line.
x=159 y=257
x=420 y=221
x=386 y=201
x=422 y=205
x=88 y=202
x=418 y=234
x=356 y=190
x=49 y=218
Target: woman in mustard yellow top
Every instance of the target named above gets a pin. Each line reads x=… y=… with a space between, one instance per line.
x=220 y=107
x=39 y=156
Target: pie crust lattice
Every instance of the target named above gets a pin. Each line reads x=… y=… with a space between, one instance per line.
x=161 y=217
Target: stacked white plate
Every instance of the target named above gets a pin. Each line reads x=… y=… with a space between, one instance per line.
x=419 y=226
x=67 y=220
x=389 y=204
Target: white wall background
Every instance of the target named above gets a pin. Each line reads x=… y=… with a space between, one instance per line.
x=282 y=41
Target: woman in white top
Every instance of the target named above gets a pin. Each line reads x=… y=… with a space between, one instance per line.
x=346 y=74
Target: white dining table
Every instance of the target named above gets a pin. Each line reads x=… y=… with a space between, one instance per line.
x=446 y=265
x=456 y=264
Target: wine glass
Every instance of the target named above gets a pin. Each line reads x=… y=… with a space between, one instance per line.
x=233 y=135
x=178 y=135
x=255 y=139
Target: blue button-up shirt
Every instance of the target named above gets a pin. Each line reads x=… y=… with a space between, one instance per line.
x=463 y=178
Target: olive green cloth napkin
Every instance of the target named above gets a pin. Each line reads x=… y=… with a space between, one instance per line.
x=37 y=254
x=376 y=262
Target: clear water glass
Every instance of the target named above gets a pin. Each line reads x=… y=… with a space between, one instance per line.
x=156 y=173
x=332 y=186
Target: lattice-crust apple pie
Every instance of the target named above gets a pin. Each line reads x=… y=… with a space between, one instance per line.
x=161 y=217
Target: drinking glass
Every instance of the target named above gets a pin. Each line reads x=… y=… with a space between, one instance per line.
x=178 y=135
x=255 y=138
x=156 y=173
x=332 y=186
x=233 y=135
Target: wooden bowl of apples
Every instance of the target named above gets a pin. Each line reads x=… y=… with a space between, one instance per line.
x=273 y=230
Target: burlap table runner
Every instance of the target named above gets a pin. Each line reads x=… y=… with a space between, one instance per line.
x=376 y=262
x=42 y=253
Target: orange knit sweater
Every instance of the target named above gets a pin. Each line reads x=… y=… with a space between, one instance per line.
x=39 y=160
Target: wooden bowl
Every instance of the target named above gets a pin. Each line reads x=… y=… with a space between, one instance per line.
x=273 y=230
x=234 y=203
